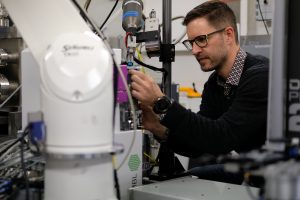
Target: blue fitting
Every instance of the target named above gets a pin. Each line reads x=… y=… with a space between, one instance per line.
x=129 y=64
x=130 y=14
x=37 y=131
x=5 y=185
x=293 y=152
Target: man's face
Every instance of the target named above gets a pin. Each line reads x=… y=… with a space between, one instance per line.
x=214 y=54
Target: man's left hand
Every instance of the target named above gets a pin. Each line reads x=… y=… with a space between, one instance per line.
x=144 y=88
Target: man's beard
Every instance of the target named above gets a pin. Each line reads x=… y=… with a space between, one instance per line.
x=211 y=68
x=213 y=65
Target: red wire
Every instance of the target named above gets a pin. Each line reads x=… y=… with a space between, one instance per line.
x=126 y=38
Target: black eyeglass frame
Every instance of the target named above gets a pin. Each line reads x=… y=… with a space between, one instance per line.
x=189 y=43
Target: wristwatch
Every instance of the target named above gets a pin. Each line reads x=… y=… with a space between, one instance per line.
x=161 y=105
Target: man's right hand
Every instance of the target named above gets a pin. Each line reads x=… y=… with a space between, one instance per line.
x=151 y=122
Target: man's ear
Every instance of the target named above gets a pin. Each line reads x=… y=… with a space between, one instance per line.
x=230 y=35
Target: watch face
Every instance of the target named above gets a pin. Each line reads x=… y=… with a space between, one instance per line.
x=161 y=105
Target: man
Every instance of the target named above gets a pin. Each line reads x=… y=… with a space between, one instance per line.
x=233 y=109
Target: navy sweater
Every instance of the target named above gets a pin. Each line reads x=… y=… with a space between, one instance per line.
x=224 y=123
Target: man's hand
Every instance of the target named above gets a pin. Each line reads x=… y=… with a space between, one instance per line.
x=151 y=122
x=144 y=88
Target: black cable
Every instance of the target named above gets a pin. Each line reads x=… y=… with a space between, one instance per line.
x=109 y=14
x=163 y=70
x=117 y=186
x=25 y=133
x=262 y=17
x=149 y=66
x=115 y=87
x=87 y=4
x=85 y=16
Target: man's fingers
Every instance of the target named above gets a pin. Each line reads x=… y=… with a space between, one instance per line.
x=136 y=86
x=137 y=95
x=136 y=73
x=139 y=74
x=137 y=79
x=132 y=71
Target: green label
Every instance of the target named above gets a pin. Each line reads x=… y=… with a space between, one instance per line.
x=134 y=162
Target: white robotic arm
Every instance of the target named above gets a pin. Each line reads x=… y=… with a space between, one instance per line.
x=77 y=95
x=76 y=72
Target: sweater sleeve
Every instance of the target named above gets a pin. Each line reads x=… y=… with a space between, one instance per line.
x=242 y=127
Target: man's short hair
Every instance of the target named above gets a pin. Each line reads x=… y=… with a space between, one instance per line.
x=216 y=12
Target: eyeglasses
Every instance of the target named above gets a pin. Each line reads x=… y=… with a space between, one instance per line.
x=201 y=40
